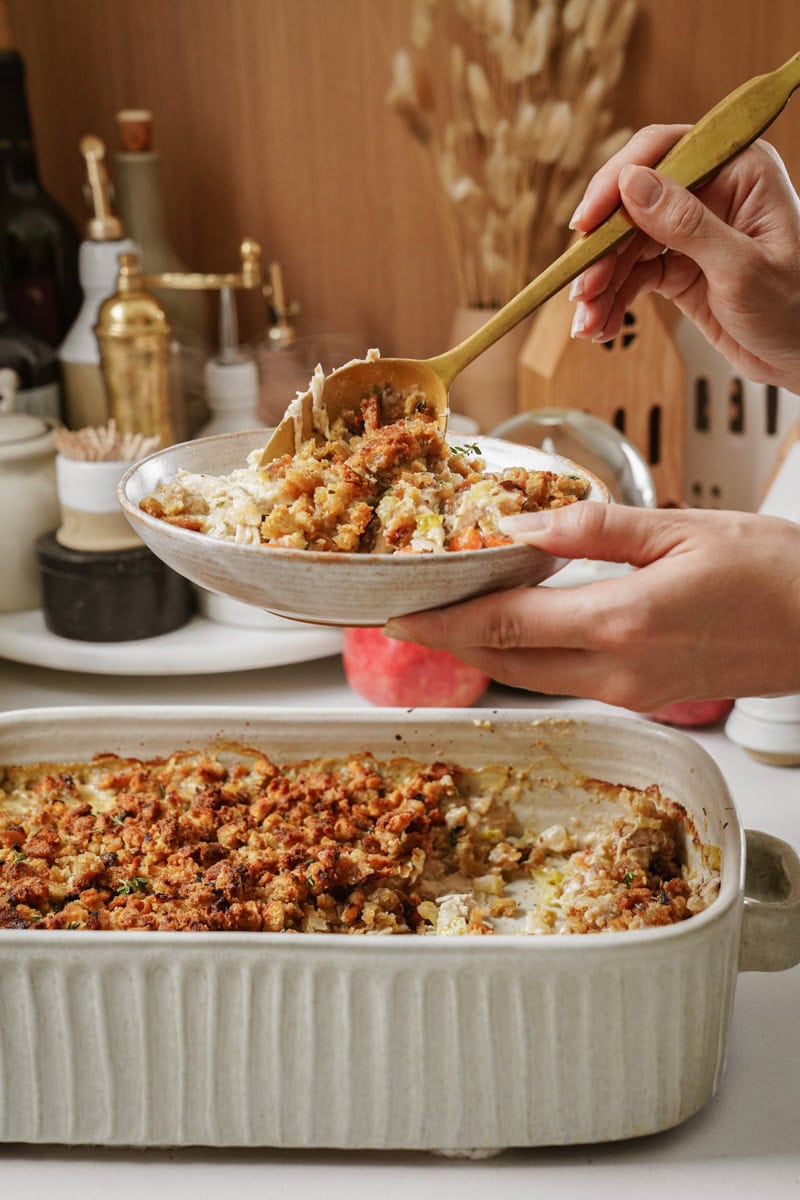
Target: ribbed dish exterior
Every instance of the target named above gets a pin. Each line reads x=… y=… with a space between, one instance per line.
x=366 y=1045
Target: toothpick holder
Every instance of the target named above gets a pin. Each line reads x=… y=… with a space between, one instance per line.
x=91 y=518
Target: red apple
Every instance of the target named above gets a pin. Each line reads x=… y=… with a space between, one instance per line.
x=692 y=712
x=405 y=675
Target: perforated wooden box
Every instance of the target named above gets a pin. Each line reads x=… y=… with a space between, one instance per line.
x=637 y=382
x=710 y=437
x=734 y=428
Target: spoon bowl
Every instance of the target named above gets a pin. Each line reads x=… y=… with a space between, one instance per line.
x=344 y=387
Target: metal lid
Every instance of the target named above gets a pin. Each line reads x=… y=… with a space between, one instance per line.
x=590 y=442
x=131 y=310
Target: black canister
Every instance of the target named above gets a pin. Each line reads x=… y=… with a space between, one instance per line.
x=110 y=595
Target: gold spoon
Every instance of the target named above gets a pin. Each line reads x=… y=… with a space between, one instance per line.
x=717 y=137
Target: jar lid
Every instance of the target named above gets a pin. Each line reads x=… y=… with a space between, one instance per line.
x=21 y=427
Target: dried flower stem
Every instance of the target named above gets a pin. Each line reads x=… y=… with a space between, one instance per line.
x=509 y=100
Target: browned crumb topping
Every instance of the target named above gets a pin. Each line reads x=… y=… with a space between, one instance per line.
x=204 y=841
x=384 y=481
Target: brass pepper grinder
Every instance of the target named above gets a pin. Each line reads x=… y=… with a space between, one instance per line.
x=134 y=337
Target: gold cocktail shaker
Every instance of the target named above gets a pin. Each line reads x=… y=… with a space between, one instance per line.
x=134 y=336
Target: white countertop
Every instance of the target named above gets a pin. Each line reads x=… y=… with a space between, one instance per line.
x=745 y=1143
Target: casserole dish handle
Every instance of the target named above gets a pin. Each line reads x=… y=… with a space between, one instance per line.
x=771 y=921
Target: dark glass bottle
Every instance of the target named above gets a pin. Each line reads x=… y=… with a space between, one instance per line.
x=35 y=364
x=38 y=242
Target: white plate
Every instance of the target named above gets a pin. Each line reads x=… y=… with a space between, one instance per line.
x=581 y=571
x=200 y=647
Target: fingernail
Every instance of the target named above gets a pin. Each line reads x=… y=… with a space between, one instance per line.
x=576 y=216
x=576 y=288
x=395 y=631
x=641 y=185
x=579 y=320
x=522 y=525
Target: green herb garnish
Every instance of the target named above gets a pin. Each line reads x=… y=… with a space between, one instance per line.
x=468 y=448
x=627 y=878
x=137 y=883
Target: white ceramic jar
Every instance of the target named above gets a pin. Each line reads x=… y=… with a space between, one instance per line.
x=28 y=502
x=768 y=727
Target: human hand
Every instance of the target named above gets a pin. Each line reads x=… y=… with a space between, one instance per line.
x=728 y=255
x=713 y=611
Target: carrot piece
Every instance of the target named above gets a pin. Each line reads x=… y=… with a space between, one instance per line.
x=467 y=539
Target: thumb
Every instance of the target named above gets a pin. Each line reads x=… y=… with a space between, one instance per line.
x=604 y=532
x=675 y=217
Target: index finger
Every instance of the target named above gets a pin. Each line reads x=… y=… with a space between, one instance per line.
x=520 y=618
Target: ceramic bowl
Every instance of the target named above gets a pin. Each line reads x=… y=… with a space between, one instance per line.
x=325 y=588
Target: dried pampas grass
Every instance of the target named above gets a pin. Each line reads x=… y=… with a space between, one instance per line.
x=511 y=100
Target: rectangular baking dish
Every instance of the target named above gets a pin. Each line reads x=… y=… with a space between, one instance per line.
x=312 y=1040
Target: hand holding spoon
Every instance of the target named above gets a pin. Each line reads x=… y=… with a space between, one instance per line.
x=719 y=136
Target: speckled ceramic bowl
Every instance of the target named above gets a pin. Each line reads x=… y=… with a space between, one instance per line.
x=332 y=589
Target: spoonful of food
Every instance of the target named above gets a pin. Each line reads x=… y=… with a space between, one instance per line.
x=719 y=136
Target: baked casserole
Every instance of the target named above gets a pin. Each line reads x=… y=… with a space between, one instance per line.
x=227 y=839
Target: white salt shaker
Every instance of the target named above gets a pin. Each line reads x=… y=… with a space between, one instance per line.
x=231 y=378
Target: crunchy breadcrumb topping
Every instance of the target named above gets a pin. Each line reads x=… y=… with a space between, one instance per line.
x=229 y=840
x=383 y=480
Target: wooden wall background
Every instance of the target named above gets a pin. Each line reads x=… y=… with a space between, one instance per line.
x=271 y=121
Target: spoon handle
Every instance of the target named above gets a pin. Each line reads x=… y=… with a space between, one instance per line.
x=719 y=136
